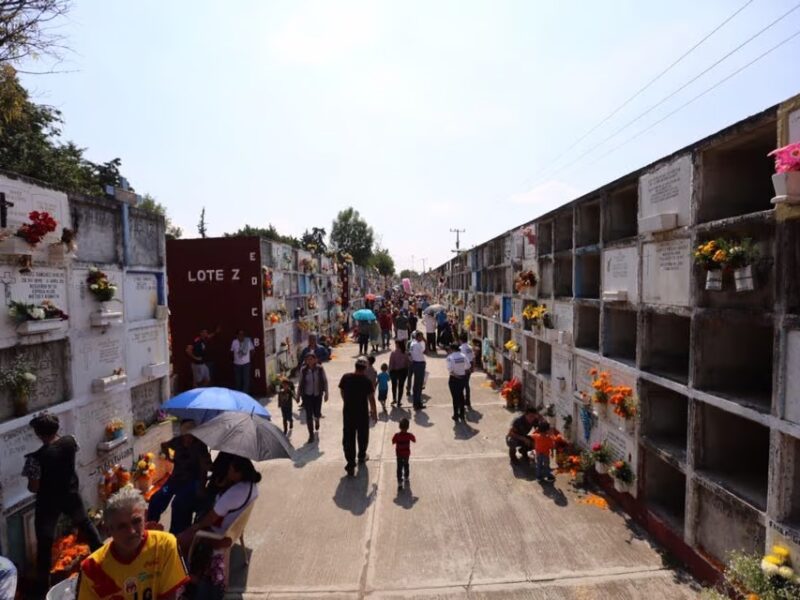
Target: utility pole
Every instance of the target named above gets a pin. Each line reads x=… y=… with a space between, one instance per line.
x=457 y=232
x=423 y=264
x=412 y=262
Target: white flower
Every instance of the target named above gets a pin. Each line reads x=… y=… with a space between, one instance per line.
x=93 y=269
x=94 y=286
x=29 y=377
x=36 y=313
x=786 y=572
x=12 y=312
x=769 y=568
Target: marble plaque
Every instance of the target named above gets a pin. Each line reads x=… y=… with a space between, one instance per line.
x=793 y=376
x=667 y=189
x=146 y=345
x=146 y=399
x=49 y=363
x=562 y=316
x=147 y=239
x=26 y=198
x=141 y=296
x=562 y=372
x=14 y=445
x=621 y=273
x=666 y=272
x=95 y=356
x=99 y=229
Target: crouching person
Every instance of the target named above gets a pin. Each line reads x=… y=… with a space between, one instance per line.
x=518 y=438
x=136 y=563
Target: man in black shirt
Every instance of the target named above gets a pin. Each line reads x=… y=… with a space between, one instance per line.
x=518 y=437
x=51 y=475
x=196 y=351
x=358 y=395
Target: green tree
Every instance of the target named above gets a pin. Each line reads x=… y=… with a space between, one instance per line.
x=382 y=260
x=350 y=233
x=314 y=239
x=150 y=204
x=408 y=274
x=201 y=225
x=269 y=233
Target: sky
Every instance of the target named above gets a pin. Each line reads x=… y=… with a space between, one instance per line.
x=423 y=115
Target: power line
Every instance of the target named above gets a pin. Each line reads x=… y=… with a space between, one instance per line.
x=698 y=96
x=647 y=85
x=676 y=91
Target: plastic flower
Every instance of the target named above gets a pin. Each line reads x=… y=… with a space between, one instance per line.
x=785 y=572
x=768 y=567
x=773 y=559
x=720 y=256
x=780 y=551
x=30 y=377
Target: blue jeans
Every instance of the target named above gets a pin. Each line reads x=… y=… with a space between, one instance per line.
x=184 y=503
x=418 y=372
x=386 y=335
x=241 y=378
x=542 y=465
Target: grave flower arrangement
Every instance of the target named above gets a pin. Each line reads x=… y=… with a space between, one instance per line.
x=115 y=429
x=144 y=470
x=711 y=255
x=67 y=555
x=601 y=457
x=100 y=286
x=526 y=279
x=511 y=346
x=753 y=577
x=624 y=402
x=266 y=276
x=601 y=383
x=23 y=311
x=18 y=380
x=511 y=392
x=787 y=158
x=623 y=475
x=113 y=480
x=41 y=223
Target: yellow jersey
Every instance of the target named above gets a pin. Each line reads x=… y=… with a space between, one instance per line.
x=155 y=572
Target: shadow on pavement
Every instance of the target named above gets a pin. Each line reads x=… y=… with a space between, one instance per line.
x=354 y=494
x=555 y=494
x=474 y=416
x=405 y=498
x=306 y=453
x=464 y=432
x=421 y=419
x=524 y=469
x=399 y=413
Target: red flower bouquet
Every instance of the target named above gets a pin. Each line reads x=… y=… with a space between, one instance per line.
x=41 y=224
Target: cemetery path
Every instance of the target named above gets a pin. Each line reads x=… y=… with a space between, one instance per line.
x=468 y=526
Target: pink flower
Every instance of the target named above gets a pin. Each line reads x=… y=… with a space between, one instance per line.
x=787 y=159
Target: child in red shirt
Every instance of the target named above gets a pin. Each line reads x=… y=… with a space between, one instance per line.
x=402 y=440
x=543 y=443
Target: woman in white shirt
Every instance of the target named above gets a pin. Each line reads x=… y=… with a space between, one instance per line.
x=241 y=348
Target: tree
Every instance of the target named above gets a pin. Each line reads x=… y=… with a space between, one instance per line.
x=26 y=28
x=201 y=225
x=350 y=233
x=268 y=233
x=150 y=204
x=314 y=240
x=382 y=261
x=408 y=274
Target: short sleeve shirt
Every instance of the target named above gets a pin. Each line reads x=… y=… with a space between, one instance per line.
x=156 y=571
x=521 y=425
x=457 y=364
x=189 y=460
x=383 y=380
x=356 y=390
x=241 y=351
x=55 y=466
x=199 y=350
x=232 y=502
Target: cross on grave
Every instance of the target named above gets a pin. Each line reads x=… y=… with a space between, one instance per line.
x=7 y=279
x=4 y=205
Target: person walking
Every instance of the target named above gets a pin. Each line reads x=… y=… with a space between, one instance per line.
x=543 y=443
x=467 y=351
x=358 y=395
x=457 y=365
x=241 y=347
x=401 y=327
x=363 y=337
x=383 y=385
x=385 y=321
x=51 y=475
x=402 y=444
x=417 y=352
x=412 y=326
x=430 y=330
x=191 y=460
x=312 y=386
x=285 y=396
x=374 y=335
x=321 y=352
x=398 y=371
x=136 y=563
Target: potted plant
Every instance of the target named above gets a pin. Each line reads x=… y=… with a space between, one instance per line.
x=711 y=256
x=623 y=476
x=786 y=179
x=525 y=282
x=18 y=380
x=32 y=318
x=601 y=457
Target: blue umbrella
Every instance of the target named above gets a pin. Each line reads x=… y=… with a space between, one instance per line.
x=203 y=404
x=364 y=314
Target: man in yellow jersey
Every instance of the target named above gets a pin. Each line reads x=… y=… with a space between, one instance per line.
x=136 y=564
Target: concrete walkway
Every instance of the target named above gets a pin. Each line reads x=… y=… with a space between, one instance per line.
x=470 y=526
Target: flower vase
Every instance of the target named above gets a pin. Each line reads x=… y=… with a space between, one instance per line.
x=787 y=187
x=118 y=433
x=621 y=486
x=20 y=403
x=743 y=277
x=142 y=483
x=714 y=280
x=601 y=468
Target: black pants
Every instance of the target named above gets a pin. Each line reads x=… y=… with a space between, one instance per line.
x=466 y=390
x=402 y=467
x=430 y=342
x=313 y=408
x=398 y=377
x=355 y=430
x=46 y=518
x=363 y=343
x=456 y=385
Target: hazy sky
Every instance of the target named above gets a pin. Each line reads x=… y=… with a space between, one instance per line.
x=423 y=115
